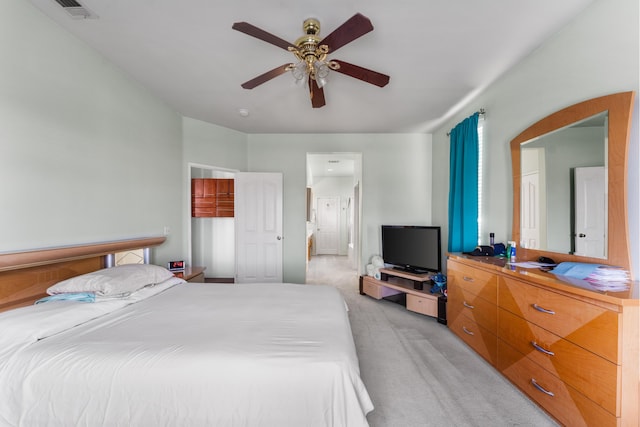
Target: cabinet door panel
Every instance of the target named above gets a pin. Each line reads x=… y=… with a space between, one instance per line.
x=197 y=187
x=209 y=187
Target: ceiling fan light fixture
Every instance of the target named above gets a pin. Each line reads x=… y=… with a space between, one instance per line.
x=321 y=81
x=299 y=70
x=322 y=69
x=316 y=69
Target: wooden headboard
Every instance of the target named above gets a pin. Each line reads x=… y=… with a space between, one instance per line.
x=25 y=276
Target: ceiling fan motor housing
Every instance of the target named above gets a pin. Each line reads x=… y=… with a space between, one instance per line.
x=311 y=26
x=309 y=50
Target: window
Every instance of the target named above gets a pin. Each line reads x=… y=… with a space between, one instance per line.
x=480 y=174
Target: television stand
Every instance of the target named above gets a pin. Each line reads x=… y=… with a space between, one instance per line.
x=417 y=279
x=417 y=300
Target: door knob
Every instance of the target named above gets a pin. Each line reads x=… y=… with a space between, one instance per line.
x=279 y=238
x=582 y=235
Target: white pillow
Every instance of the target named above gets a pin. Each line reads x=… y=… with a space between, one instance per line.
x=119 y=280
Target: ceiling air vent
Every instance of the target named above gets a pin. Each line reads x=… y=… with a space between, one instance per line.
x=76 y=10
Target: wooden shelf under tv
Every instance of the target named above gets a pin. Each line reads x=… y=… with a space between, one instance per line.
x=416 y=279
x=395 y=282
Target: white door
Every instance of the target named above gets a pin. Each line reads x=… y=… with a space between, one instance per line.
x=328 y=225
x=591 y=213
x=530 y=211
x=258 y=215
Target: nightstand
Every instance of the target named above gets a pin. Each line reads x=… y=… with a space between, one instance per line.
x=192 y=274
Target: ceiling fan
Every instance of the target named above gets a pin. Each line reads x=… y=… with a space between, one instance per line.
x=312 y=65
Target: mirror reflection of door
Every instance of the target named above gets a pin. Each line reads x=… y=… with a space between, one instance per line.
x=328 y=225
x=530 y=210
x=533 y=204
x=590 y=211
x=554 y=156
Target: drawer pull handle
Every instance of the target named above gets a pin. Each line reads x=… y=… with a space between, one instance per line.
x=466 y=331
x=542 y=350
x=467 y=305
x=543 y=310
x=539 y=387
x=467 y=278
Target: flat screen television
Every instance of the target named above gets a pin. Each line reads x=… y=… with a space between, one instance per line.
x=412 y=248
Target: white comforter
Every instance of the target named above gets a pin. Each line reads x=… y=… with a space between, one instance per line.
x=194 y=354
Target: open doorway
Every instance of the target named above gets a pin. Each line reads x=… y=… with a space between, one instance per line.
x=334 y=182
x=211 y=240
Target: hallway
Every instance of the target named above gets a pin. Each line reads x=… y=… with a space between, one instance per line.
x=331 y=270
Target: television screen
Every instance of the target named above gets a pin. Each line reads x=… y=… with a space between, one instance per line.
x=412 y=248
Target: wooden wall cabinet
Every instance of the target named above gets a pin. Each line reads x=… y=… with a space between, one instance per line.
x=224 y=197
x=212 y=197
x=573 y=351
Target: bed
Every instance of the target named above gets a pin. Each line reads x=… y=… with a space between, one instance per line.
x=177 y=353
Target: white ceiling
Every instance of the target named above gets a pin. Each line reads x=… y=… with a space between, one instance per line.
x=439 y=54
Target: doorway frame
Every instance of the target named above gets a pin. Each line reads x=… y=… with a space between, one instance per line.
x=357 y=199
x=190 y=167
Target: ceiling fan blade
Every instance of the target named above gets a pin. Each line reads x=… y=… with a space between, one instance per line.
x=363 y=74
x=316 y=93
x=253 y=31
x=262 y=78
x=356 y=26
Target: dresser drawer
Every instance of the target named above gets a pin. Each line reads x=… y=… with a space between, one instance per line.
x=587 y=325
x=376 y=291
x=427 y=304
x=461 y=301
x=479 y=282
x=564 y=402
x=592 y=375
x=476 y=337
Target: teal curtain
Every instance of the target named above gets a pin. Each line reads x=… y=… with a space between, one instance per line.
x=463 y=186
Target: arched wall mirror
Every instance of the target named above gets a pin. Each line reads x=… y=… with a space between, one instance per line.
x=570 y=183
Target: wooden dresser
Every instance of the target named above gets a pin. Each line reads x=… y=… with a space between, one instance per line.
x=573 y=350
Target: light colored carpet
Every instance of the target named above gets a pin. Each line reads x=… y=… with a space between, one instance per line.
x=416 y=371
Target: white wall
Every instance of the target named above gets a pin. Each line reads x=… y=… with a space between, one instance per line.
x=396 y=183
x=595 y=55
x=213 y=145
x=87 y=154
